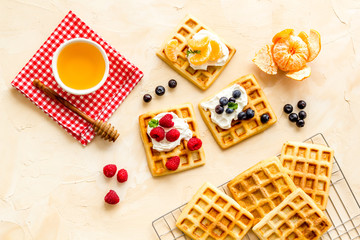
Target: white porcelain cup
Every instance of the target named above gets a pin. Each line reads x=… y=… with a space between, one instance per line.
x=56 y=74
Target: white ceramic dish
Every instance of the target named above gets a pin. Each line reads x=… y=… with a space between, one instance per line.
x=56 y=74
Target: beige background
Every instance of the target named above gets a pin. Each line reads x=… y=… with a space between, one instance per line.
x=53 y=188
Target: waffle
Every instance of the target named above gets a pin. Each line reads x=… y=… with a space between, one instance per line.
x=309 y=166
x=184 y=32
x=157 y=160
x=211 y=214
x=262 y=187
x=241 y=130
x=297 y=217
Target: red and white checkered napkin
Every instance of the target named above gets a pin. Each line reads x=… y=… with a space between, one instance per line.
x=123 y=77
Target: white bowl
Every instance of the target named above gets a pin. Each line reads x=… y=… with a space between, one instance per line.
x=56 y=74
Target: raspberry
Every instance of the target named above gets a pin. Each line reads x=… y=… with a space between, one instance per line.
x=194 y=144
x=166 y=121
x=122 y=175
x=157 y=133
x=109 y=170
x=111 y=197
x=173 y=163
x=172 y=135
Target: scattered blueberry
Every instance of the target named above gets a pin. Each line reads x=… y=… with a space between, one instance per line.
x=293 y=117
x=236 y=94
x=265 y=118
x=301 y=104
x=159 y=90
x=223 y=101
x=219 y=109
x=229 y=110
x=288 y=108
x=232 y=99
x=302 y=115
x=172 y=83
x=241 y=116
x=250 y=113
x=300 y=123
x=147 y=98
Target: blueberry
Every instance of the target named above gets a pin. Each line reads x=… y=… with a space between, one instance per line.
x=293 y=117
x=147 y=98
x=300 y=123
x=219 y=109
x=232 y=99
x=241 y=116
x=236 y=94
x=229 y=110
x=250 y=113
x=302 y=115
x=301 y=104
x=172 y=83
x=223 y=101
x=265 y=118
x=288 y=108
x=159 y=90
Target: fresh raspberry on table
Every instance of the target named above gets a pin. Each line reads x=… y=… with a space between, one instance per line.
x=173 y=163
x=166 y=121
x=194 y=144
x=157 y=133
x=111 y=197
x=122 y=175
x=110 y=170
x=172 y=135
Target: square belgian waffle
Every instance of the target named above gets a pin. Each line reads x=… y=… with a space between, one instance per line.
x=241 y=130
x=297 y=217
x=211 y=214
x=157 y=160
x=184 y=32
x=309 y=166
x=262 y=187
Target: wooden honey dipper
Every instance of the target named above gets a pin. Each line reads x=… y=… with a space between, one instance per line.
x=104 y=129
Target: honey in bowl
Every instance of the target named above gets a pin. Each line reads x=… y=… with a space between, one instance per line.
x=80 y=66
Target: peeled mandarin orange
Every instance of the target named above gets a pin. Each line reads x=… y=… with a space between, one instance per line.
x=283 y=34
x=264 y=60
x=199 y=43
x=201 y=57
x=171 y=50
x=215 y=50
x=291 y=53
x=301 y=74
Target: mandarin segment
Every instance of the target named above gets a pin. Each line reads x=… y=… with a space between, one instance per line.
x=200 y=58
x=196 y=44
x=216 y=52
x=171 y=50
x=264 y=60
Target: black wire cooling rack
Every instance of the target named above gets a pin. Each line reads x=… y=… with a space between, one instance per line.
x=342 y=209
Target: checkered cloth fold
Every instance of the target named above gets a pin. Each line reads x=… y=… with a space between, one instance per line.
x=123 y=77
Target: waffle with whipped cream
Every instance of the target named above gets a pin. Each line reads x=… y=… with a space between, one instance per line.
x=309 y=166
x=184 y=32
x=211 y=214
x=157 y=160
x=243 y=129
x=297 y=217
x=262 y=187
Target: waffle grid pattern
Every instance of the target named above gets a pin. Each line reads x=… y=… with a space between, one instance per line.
x=157 y=160
x=211 y=214
x=297 y=217
x=310 y=167
x=240 y=130
x=184 y=32
x=262 y=187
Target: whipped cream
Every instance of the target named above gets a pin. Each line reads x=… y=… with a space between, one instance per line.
x=224 y=120
x=224 y=50
x=180 y=124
